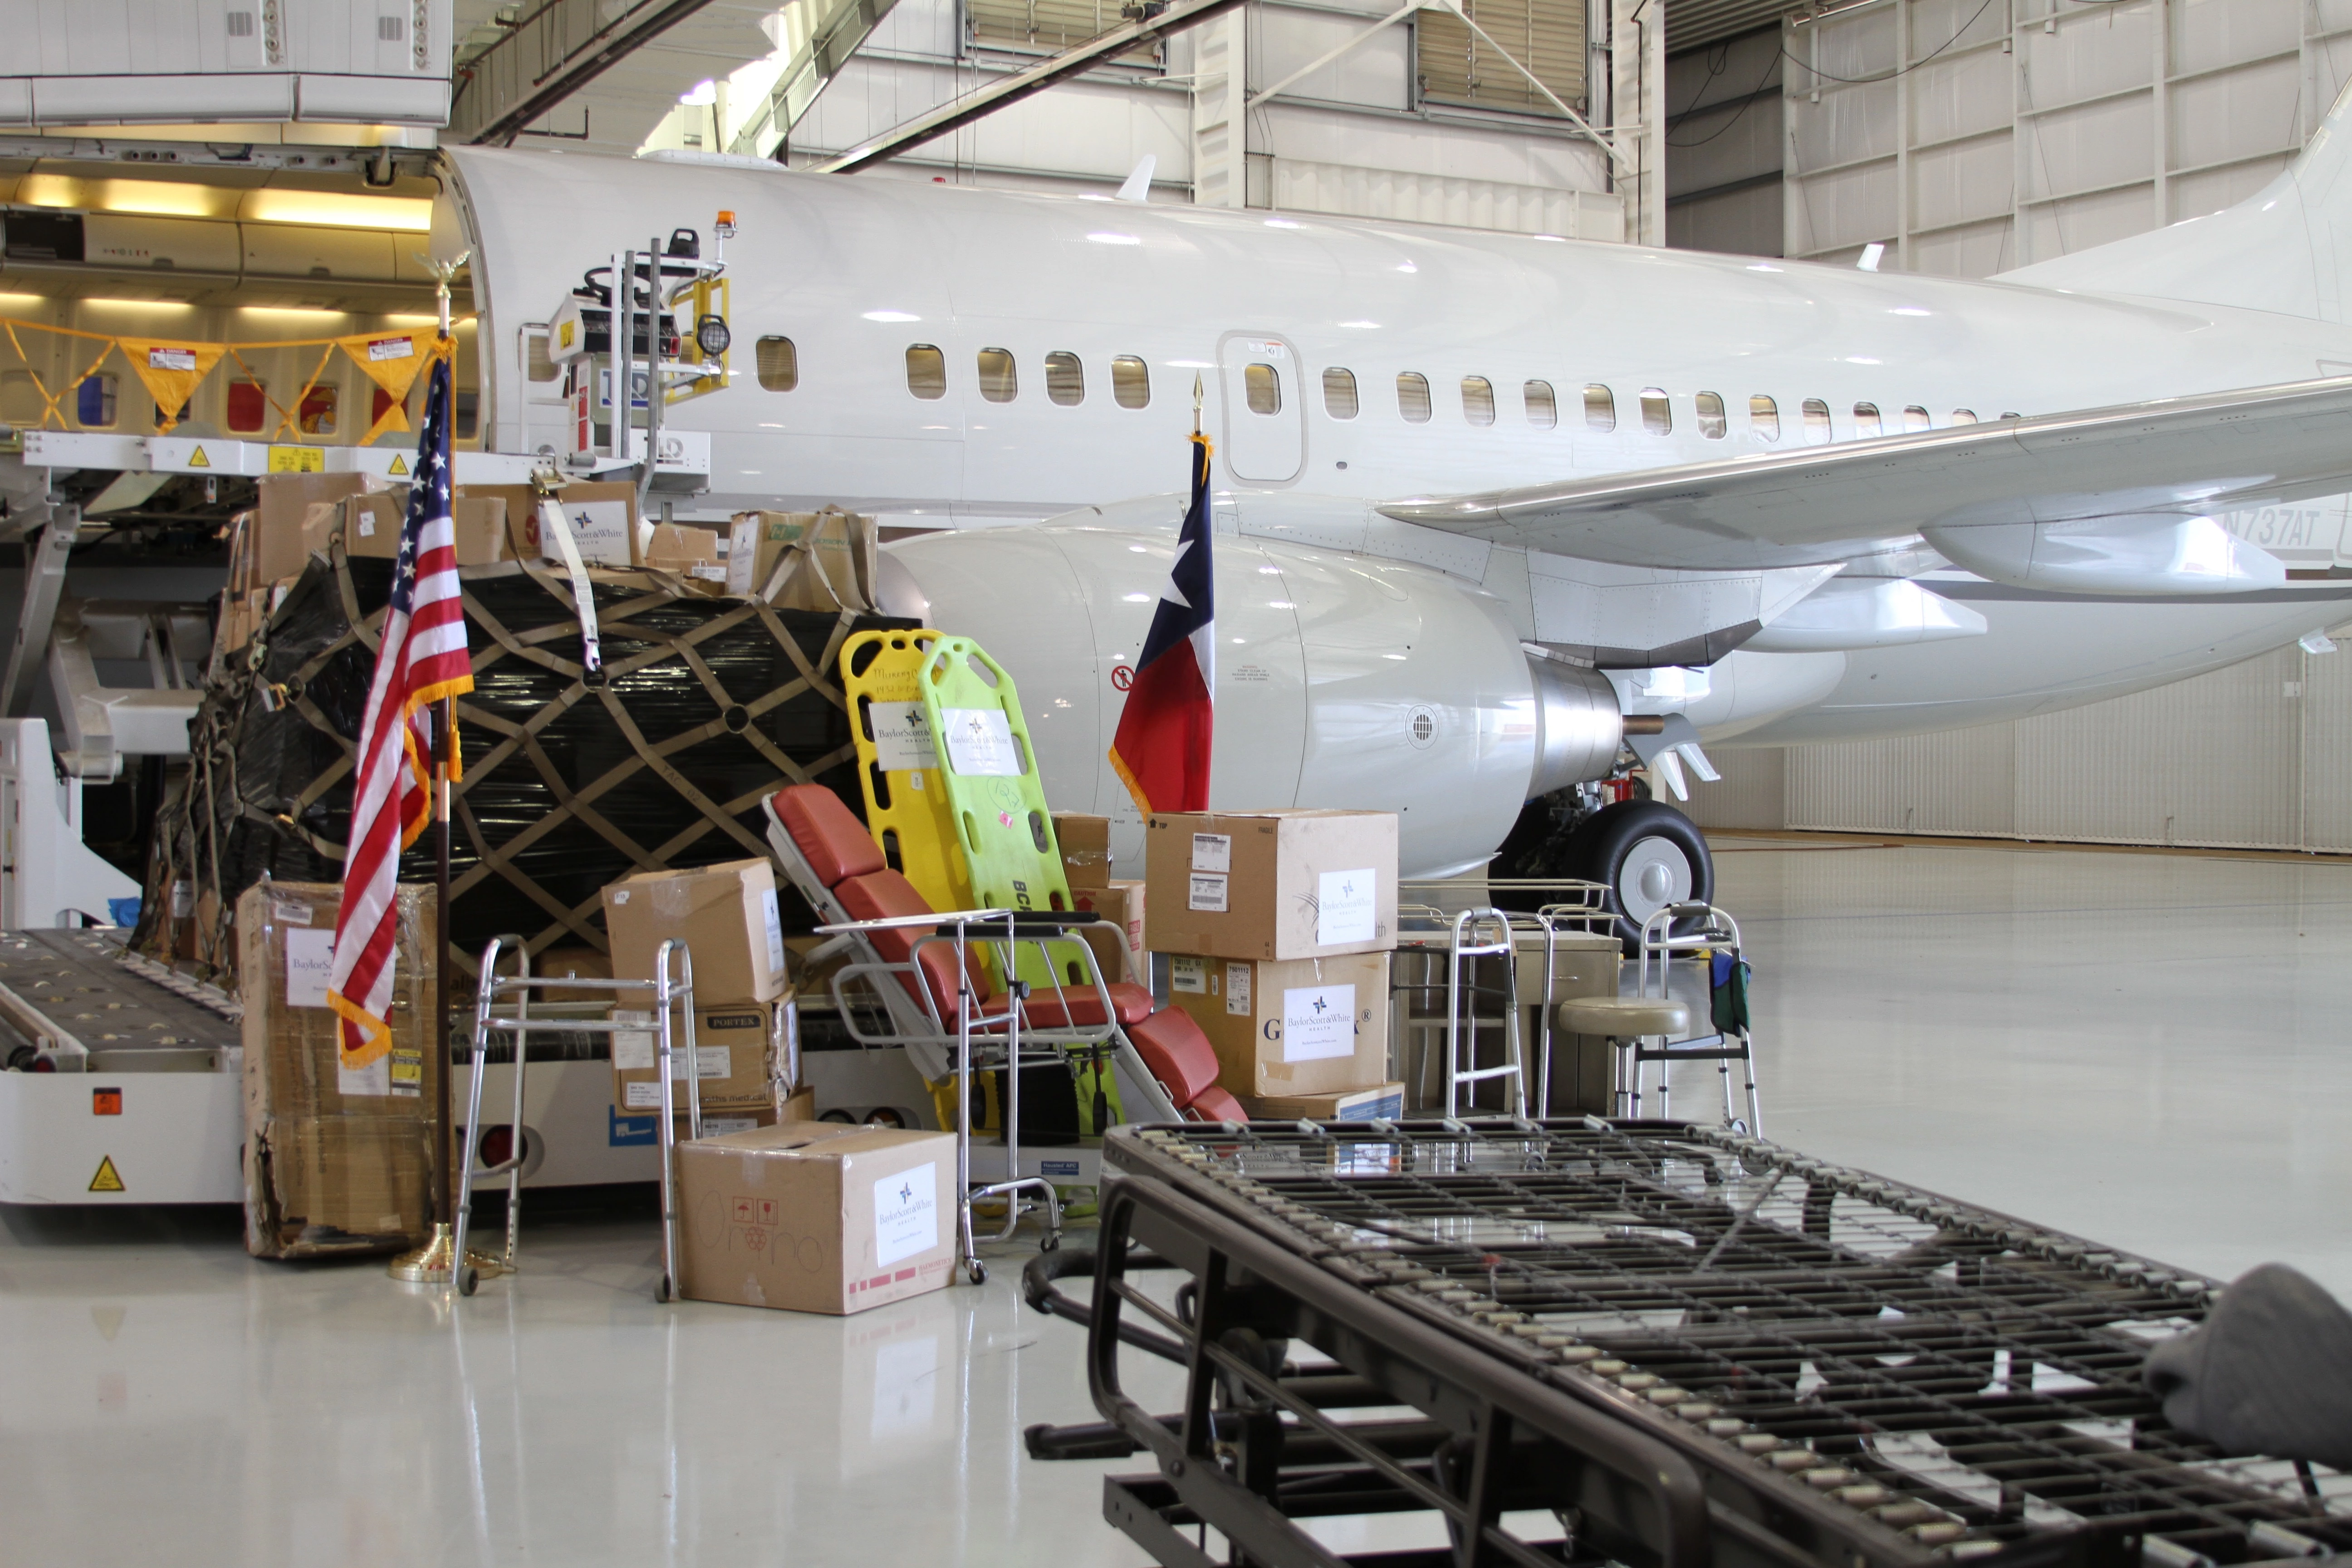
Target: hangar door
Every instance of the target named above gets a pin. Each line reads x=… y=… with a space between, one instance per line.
x=1265 y=409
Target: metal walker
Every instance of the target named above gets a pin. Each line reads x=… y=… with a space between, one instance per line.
x=667 y=995
x=1716 y=931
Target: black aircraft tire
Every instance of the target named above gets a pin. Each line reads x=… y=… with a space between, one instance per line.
x=1649 y=854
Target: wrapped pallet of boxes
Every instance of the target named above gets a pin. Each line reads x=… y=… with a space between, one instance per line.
x=1277 y=927
x=337 y=1160
x=816 y=1216
x=705 y=707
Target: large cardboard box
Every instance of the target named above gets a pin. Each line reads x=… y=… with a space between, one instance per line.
x=370 y=525
x=603 y=518
x=1308 y=1025
x=738 y=1050
x=681 y=547
x=1276 y=885
x=727 y=914
x=833 y=564
x=337 y=1160
x=274 y=546
x=1373 y=1100
x=1117 y=940
x=1084 y=844
x=816 y=1216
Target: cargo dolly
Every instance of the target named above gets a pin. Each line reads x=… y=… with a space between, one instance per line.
x=1639 y=1343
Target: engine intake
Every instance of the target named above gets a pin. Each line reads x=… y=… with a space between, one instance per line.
x=1578 y=726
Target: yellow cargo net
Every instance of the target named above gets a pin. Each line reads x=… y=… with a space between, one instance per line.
x=172 y=369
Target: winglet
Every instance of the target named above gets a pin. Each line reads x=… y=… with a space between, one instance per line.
x=1137 y=187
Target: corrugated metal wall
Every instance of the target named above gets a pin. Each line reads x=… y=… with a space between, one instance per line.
x=2255 y=756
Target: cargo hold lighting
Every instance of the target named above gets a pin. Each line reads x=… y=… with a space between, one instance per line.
x=167 y=198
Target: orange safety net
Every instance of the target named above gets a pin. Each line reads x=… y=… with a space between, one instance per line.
x=172 y=369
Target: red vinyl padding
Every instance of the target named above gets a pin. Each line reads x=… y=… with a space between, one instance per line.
x=827 y=834
x=1214 y=1104
x=885 y=894
x=1050 y=1009
x=1176 y=1053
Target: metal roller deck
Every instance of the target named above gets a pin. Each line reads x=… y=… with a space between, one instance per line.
x=1664 y=1343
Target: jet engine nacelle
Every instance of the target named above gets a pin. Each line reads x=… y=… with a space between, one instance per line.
x=1341 y=679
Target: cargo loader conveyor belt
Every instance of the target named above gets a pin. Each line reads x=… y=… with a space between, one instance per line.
x=1640 y=1342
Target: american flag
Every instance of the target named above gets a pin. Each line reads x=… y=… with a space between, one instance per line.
x=421 y=661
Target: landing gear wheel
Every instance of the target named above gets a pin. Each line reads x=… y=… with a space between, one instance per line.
x=1649 y=856
x=977 y=1272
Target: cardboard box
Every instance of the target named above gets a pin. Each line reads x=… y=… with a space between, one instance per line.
x=1272 y=885
x=337 y=1159
x=678 y=547
x=1118 y=942
x=370 y=524
x=274 y=546
x=725 y=914
x=604 y=519
x=1308 y=1026
x=736 y=1048
x=833 y=565
x=1372 y=1101
x=816 y=1216
x=1085 y=843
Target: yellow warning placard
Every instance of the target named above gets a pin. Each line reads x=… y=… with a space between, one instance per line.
x=197 y=460
x=108 y=1179
x=399 y=465
x=298 y=459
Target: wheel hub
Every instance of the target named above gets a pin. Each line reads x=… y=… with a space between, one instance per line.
x=1654 y=873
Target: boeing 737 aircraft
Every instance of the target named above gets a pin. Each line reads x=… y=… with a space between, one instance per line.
x=1493 y=506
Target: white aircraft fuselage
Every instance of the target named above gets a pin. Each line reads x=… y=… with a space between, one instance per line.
x=1337 y=628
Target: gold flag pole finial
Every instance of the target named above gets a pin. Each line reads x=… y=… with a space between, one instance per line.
x=1196 y=403
x=443 y=272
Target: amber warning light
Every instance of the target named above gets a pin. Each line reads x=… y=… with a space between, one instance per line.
x=725 y=227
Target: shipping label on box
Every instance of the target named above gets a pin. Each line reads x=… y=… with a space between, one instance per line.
x=733 y=1058
x=1375 y=1101
x=1302 y=1026
x=1273 y=885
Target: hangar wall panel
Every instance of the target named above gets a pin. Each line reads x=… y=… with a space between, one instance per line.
x=2255 y=756
x=1970 y=140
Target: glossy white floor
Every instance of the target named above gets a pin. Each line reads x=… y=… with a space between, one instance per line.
x=2148 y=1050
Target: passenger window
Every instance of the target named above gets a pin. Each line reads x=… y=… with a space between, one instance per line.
x=998 y=380
x=95 y=402
x=1412 y=397
x=1262 y=387
x=1543 y=410
x=1477 y=400
x=779 y=365
x=1817 y=422
x=1763 y=419
x=1657 y=414
x=1916 y=418
x=1599 y=408
x=1711 y=421
x=1339 y=392
x=1130 y=381
x=927 y=371
x=1866 y=421
x=317 y=415
x=248 y=407
x=1964 y=415
x=1066 y=379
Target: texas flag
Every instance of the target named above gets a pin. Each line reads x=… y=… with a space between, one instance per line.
x=1162 y=748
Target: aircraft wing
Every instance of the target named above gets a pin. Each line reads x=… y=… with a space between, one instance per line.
x=2128 y=491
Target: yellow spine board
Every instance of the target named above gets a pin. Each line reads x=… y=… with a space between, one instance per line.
x=906 y=808
x=990 y=771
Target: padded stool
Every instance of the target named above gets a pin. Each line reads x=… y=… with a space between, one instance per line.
x=1624 y=1022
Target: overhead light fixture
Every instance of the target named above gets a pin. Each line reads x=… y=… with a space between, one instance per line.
x=890 y=316
x=144 y=304
x=1106 y=237
x=297 y=312
x=148 y=198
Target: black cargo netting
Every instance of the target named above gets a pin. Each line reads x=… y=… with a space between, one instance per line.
x=707 y=705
